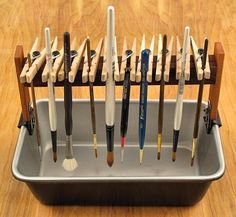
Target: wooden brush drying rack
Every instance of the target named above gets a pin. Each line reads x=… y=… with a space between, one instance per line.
x=215 y=64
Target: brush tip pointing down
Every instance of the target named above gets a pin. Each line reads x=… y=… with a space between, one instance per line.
x=192 y=161
x=110 y=158
x=95 y=144
x=158 y=156
x=70 y=164
x=173 y=156
x=55 y=157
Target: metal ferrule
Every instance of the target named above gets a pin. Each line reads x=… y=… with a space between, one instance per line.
x=110 y=137
x=175 y=140
x=69 y=148
x=194 y=144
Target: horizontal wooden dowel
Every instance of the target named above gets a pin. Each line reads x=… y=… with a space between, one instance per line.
x=172 y=76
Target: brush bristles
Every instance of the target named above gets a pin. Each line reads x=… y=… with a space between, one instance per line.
x=95 y=145
x=192 y=161
x=54 y=156
x=194 y=143
x=173 y=156
x=110 y=158
x=70 y=164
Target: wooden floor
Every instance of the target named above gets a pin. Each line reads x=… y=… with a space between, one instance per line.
x=22 y=21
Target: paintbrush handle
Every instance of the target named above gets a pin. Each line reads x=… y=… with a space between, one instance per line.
x=143 y=97
x=92 y=107
x=52 y=106
x=68 y=107
x=67 y=85
x=51 y=94
x=200 y=91
x=179 y=104
x=162 y=86
x=198 y=111
x=110 y=83
x=125 y=104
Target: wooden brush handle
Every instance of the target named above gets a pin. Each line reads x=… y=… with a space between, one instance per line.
x=92 y=107
x=68 y=107
x=162 y=86
x=67 y=85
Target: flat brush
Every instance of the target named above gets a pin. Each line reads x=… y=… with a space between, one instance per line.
x=35 y=108
x=179 y=100
x=92 y=105
x=69 y=162
x=125 y=103
x=143 y=101
x=110 y=85
x=199 y=103
x=161 y=98
x=51 y=96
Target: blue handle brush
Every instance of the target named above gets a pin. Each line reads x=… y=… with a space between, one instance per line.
x=143 y=101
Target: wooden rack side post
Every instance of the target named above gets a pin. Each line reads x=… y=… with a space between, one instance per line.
x=23 y=90
x=214 y=92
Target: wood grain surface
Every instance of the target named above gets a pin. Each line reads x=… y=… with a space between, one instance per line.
x=22 y=21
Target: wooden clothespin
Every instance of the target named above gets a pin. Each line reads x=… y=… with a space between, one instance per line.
x=76 y=62
x=61 y=71
x=168 y=59
x=138 y=72
x=85 y=65
x=198 y=62
x=123 y=62
x=104 y=67
x=133 y=61
x=159 y=59
x=26 y=66
x=116 y=72
x=45 y=73
x=36 y=66
x=57 y=65
x=95 y=61
x=149 y=73
x=178 y=60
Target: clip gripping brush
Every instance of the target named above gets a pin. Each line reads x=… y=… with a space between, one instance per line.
x=69 y=163
x=143 y=101
x=51 y=95
x=125 y=103
x=179 y=100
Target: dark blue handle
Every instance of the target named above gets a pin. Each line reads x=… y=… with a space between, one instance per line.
x=143 y=97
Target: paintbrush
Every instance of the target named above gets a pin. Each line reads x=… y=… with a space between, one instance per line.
x=35 y=111
x=199 y=103
x=179 y=100
x=51 y=96
x=143 y=101
x=125 y=102
x=92 y=105
x=69 y=162
x=161 y=98
x=110 y=85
